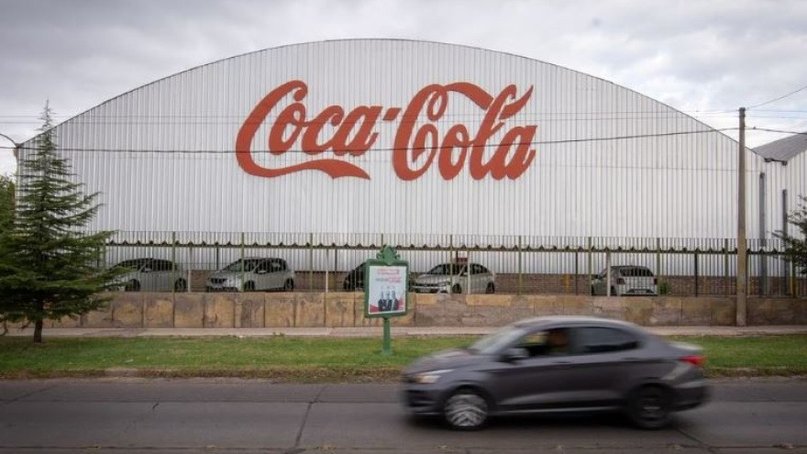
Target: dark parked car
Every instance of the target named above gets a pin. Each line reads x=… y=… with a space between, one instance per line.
x=354 y=279
x=551 y=364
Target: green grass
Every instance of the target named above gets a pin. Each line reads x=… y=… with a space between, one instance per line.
x=291 y=359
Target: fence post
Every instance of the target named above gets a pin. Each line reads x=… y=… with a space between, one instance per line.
x=576 y=271
x=188 y=270
x=659 y=272
x=520 y=264
x=608 y=272
x=697 y=284
x=310 y=262
x=590 y=262
x=173 y=260
x=726 y=265
x=242 y=263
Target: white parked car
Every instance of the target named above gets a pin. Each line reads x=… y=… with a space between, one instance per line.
x=252 y=274
x=151 y=275
x=626 y=280
x=454 y=278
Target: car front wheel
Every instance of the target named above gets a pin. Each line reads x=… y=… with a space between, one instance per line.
x=466 y=409
x=650 y=407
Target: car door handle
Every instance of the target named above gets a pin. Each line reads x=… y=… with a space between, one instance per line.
x=561 y=364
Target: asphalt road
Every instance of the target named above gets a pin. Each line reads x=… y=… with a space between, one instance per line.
x=245 y=416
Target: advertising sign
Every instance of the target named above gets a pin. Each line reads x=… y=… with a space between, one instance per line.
x=386 y=291
x=385 y=284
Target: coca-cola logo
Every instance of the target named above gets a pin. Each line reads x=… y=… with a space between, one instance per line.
x=418 y=144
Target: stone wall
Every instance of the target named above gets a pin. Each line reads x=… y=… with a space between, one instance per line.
x=345 y=309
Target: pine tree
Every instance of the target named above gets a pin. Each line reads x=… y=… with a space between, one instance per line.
x=796 y=246
x=49 y=266
x=6 y=203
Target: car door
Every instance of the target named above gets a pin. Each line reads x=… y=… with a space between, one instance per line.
x=539 y=381
x=277 y=269
x=164 y=275
x=604 y=358
x=477 y=279
x=598 y=284
x=148 y=276
x=261 y=275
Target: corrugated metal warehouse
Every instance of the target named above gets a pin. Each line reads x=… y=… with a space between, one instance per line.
x=413 y=139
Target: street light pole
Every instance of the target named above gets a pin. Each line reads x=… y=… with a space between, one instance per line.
x=742 y=246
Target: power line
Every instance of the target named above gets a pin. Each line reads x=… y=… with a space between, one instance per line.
x=779 y=98
x=778 y=130
x=348 y=150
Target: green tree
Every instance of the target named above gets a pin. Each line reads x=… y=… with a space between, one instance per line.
x=48 y=262
x=796 y=245
x=6 y=202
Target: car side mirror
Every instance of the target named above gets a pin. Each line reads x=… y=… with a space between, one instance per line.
x=146 y=270
x=514 y=354
x=261 y=271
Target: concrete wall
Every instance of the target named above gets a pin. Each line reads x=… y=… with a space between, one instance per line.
x=345 y=309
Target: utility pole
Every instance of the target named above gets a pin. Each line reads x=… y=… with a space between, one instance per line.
x=742 y=247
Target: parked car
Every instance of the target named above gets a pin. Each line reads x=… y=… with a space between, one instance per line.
x=626 y=280
x=561 y=363
x=252 y=274
x=354 y=279
x=454 y=278
x=151 y=275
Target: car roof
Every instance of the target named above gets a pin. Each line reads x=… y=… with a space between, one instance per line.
x=581 y=320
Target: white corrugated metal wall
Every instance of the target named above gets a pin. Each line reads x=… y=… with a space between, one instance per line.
x=162 y=155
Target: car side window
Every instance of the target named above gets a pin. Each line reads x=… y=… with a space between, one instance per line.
x=264 y=266
x=275 y=266
x=546 y=342
x=604 y=340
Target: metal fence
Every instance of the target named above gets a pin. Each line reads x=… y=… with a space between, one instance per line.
x=522 y=264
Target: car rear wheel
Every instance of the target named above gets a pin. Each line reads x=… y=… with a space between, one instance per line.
x=650 y=407
x=466 y=409
x=180 y=285
x=288 y=285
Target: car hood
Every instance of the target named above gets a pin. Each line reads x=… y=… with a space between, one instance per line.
x=432 y=278
x=446 y=359
x=227 y=274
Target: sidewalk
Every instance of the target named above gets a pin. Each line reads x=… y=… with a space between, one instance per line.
x=728 y=331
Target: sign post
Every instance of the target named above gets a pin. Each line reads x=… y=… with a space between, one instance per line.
x=385 y=284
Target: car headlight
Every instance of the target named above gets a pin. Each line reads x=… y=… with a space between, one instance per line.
x=427 y=378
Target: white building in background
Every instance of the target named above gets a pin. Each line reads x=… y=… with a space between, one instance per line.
x=414 y=139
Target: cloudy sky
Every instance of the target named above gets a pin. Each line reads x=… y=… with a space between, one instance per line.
x=705 y=58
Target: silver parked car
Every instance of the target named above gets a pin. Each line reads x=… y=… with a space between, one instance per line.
x=252 y=274
x=626 y=280
x=552 y=364
x=454 y=278
x=151 y=275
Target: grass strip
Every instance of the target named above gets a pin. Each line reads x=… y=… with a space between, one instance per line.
x=324 y=360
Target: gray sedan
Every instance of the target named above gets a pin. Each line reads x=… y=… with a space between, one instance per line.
x=551 y=364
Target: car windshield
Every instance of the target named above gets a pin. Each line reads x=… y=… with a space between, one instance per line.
x=446 y=269
x=132 y=264
x=249 y=265
x=496 y=340
x=636 y=272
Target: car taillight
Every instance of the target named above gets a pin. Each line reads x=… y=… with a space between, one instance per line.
x=620 y=281
x=695 y=360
